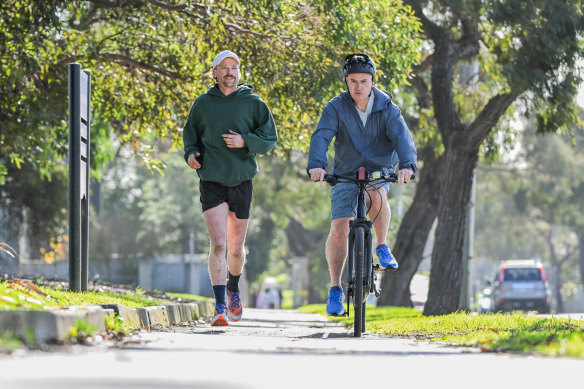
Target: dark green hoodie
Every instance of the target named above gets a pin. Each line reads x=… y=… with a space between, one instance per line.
x=214 y=114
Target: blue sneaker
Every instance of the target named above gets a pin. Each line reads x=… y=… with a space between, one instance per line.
x=334 y=304
x=386 y=259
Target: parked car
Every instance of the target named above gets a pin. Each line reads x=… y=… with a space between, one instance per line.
x=520 y=285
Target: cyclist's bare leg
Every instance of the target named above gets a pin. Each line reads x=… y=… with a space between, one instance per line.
x=380 y=212
x=216 y=223
x=336 y=248
x=236 y=231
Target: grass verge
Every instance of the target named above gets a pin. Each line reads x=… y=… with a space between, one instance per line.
x=25 y=295
x=516 y=332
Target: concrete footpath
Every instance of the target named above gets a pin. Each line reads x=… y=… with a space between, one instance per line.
x=279 y=349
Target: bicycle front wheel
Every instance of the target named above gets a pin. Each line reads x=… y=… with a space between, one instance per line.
x=359 y=292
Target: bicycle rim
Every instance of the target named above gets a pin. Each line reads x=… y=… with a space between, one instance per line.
x=359 y=261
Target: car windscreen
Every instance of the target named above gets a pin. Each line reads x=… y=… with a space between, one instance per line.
x=522 y=274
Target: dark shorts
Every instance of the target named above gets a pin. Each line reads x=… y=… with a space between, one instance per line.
x=238 y=198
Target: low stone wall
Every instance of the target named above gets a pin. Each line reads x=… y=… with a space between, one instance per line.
x=53 y=325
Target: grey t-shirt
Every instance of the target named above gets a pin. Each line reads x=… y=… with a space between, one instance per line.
x=363 y=115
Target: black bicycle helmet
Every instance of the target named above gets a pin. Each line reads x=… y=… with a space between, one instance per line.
x=358 y=63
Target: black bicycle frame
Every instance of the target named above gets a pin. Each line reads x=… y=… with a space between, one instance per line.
x=360 y=221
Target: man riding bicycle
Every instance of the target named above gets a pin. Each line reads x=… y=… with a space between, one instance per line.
x=369 y=132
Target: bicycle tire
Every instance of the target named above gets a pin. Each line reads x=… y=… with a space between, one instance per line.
x=358 y=296
x=364 y=315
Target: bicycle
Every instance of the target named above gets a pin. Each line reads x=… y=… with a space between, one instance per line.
x=360 y=267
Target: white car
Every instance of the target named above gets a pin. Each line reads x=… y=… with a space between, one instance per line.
x=520 y=285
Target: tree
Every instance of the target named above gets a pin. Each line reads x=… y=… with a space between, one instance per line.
x=551 y=193
x=150 y=59
x=529 y=49
x=43 y=202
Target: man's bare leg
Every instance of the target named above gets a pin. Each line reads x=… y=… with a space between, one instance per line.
x=336 y=248
x=236 y=231
x=216 y=223
x=380 y=213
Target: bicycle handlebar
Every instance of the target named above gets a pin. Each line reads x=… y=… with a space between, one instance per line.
x=333 y=179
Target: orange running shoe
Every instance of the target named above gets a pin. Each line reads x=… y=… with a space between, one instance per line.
x=234 y=306
x=219 y=318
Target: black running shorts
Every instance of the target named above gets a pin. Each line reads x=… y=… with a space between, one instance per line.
x=238 y=198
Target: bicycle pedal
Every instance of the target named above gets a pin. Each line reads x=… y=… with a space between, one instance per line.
x=378 y=269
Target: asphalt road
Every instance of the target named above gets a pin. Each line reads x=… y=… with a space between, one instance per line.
x=279 y=349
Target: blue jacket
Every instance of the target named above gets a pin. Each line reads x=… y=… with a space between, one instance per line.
x=382 y=143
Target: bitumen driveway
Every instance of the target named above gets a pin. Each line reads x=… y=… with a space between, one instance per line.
x=279 y=349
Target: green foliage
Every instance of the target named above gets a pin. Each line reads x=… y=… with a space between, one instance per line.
x=145 y=213
x=553 y=337
x=80 y=331
x=116 y=324
x=45 y=201
x=32 y=129
x=27 y=296
x=552 y=189
x=501 y=230
x=491 y=332
x=24 y=296
x=537 y=45
x=150 y=60
x=9 y=342
x=530 y=206
x=191 y=297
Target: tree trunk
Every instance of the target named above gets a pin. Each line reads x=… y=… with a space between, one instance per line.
x=413 y=235
x=581 y=255
x=557 y=287
x=445 y=275
x=555 y=281
x=462 y=142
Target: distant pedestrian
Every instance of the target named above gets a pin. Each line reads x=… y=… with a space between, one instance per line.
x=263 y=300
x=268 y=299
x=227 y=126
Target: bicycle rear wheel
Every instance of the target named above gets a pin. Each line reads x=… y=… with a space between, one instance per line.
x=359 y=292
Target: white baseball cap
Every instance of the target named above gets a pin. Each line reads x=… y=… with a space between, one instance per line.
x=222 y=55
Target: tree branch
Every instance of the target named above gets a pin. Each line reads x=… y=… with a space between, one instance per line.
x=423 y=96
x=170 y=7
x=236 y=28
x=466 y=49
x=124 y=59
x=432 y=29
x=571 y=250
x=479 y=129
